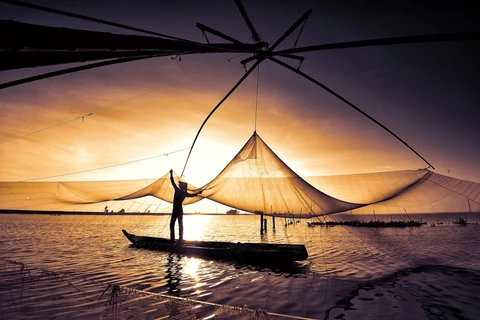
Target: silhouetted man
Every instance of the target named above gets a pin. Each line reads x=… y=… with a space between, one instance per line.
x=177 y=213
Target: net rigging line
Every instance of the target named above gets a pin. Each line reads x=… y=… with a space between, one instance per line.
x=82 y=117
x=447 y=169
x=299 y=33
x=109 y=166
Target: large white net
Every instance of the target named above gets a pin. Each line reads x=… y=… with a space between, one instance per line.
x=258 y=181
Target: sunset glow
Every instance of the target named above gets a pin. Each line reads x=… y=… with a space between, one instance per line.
x=111 y=117
x=239 y=159
x=196 y=227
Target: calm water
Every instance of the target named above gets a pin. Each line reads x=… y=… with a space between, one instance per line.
x=352 y=273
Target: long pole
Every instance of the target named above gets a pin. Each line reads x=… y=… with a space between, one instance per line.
x=216 y=107
x=74 y=69
x=421 y=38
x=261 y=223
x=350 y=104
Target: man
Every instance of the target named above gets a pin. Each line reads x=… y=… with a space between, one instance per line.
x=177 y=213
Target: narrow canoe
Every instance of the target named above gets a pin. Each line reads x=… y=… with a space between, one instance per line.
x=253 y=252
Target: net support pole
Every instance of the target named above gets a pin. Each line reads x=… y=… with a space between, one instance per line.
x=73 y=69
x=216 y=107
x=420 y=38
x=350 y=104
x=82 y=17
x=261 y=223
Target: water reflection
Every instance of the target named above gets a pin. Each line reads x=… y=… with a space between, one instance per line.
x=174 y=274
x=338 y=258
x=191 y=268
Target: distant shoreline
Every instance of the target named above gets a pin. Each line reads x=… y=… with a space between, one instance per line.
x=102 y=213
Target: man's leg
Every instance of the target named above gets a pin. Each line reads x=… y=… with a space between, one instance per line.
x=172 y=227
x=180 y=226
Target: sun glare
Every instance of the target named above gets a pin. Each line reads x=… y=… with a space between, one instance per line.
x=196 y=226
x=191 y=267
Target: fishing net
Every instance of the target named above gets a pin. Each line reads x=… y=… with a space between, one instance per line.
x=36 y=293
x=257 y=180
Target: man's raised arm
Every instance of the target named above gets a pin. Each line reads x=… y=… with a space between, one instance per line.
x=173 y=180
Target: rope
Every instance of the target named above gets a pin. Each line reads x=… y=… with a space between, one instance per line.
x=299 y=34
x=323 y=252
x=109 y=166
x=447 y=169
x=82 y=117
x=161 y=296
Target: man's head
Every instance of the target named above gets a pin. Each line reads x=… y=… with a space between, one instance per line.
x=183 y=185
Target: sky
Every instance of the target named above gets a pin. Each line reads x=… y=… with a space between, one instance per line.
x=145 y=114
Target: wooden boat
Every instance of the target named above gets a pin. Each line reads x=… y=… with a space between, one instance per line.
x=251 y=252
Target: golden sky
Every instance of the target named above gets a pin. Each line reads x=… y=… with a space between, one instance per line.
x=147 y=109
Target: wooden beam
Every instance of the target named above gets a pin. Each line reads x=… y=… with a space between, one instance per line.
x=249 y=23
x=217 y=33
x=70 y=70
x=422 y=38
x=350 y=104
x=291 y=29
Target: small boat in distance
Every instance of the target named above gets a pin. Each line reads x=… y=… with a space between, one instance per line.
x=233 y=211
x=271 y=253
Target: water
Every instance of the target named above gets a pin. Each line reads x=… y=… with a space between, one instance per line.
x=352 y=273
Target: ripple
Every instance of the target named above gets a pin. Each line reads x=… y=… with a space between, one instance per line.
x=90 y=253
x=410 y=294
